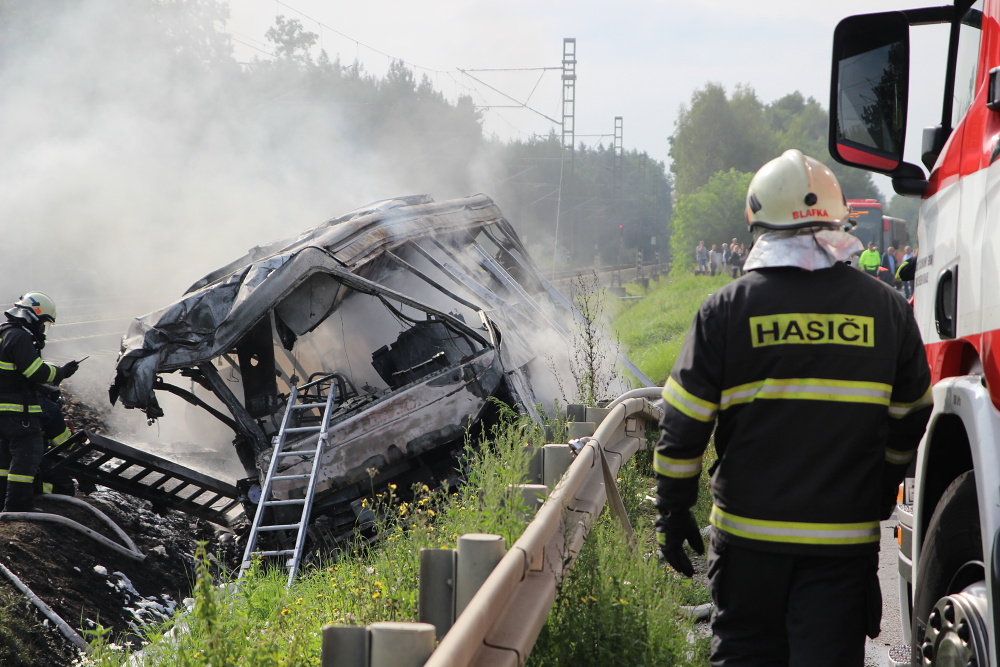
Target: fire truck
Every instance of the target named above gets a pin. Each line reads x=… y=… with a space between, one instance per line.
x=871 y=226
x=949 y=515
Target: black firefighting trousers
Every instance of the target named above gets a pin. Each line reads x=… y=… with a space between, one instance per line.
x=775 y=609
x=21 y=446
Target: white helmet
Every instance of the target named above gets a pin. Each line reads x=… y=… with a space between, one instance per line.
x=34 y=307
x=794 y=191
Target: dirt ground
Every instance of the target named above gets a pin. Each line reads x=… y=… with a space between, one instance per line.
x=88 y=584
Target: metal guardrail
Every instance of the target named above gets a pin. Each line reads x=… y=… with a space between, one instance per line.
x=501 y=622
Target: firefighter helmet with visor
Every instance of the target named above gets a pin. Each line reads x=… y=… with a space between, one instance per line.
x=795 y=191
x=35 y=306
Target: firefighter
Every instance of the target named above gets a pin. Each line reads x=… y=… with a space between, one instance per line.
x=22 y=370
x=815 y=381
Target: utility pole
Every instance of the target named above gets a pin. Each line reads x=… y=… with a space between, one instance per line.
x=569 y=94
x=568 y=136
x=618 y=159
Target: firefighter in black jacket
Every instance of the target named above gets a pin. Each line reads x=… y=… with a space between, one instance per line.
x=815 y=381
x=21 y=371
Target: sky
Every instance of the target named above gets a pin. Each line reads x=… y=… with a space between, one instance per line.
x=107 y=144
x=638 y=59
x=127 y=179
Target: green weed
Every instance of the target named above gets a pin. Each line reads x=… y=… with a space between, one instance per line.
x=618 y=606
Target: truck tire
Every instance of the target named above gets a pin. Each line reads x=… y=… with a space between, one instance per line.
x=950 y=600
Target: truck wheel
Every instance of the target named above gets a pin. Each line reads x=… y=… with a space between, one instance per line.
x=949 y=607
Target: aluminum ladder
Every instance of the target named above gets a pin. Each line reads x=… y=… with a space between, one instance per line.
x=298 y=529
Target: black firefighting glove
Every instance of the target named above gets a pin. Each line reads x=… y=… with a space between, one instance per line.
x=69 y=368
x=673 y=530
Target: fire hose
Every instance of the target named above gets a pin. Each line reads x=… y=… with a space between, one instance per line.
x=129 y=550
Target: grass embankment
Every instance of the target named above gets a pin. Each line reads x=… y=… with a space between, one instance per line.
x=615 y=606
x=652 y=329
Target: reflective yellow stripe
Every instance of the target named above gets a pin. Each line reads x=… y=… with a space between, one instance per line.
x=676 y=468
x=27 y=479
x=899 y=410
x=47 y=487
x=795 y=532
x=3 y=473
x=687 y=403
x=808 y=389
x=52 y=373
x=35 y=365
x=7 y=366
x=62 y=437
x=897 y=457
x=16 y=407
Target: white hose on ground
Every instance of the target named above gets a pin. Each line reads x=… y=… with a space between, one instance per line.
x=122 y=535
x=129 y=551
x=72 y=635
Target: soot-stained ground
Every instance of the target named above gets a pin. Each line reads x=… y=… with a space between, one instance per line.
x=88 y=584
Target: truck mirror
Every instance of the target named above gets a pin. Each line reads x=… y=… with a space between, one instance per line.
x=868 y=92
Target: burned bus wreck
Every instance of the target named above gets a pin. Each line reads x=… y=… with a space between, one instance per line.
x=411 y=313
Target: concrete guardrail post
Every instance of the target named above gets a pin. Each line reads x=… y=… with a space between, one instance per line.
x=576 y=430
x=477 y=555
x=436 y=598
x=576 y=412
x=556 y=460
x=532 y=497
x=534 y=474
x=596 y=415
x=401 y=644
x=345 y=646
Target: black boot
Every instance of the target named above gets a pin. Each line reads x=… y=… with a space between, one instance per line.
x=20 y=497
x=3 y=487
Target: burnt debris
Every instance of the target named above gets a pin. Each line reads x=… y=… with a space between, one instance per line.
x=414 y=312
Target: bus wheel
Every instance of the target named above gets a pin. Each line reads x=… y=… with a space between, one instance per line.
x=950 y=608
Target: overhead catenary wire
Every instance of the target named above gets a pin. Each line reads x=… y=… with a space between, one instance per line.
x=465 y=72
x=523 y=105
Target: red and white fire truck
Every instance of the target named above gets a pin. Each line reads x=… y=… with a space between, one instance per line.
x=949 y=532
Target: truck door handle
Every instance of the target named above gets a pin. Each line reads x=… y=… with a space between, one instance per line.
x=946 y=303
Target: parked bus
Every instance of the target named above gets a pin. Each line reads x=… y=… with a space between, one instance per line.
x=874 y=227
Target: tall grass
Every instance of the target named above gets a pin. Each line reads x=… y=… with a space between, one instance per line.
x=652 y=329
x=615 y=602
x=17 y=629
x=618 y=606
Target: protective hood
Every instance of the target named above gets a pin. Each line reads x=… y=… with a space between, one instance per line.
x=809 y=249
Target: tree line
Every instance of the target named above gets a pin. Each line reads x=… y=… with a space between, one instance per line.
x=278 y=143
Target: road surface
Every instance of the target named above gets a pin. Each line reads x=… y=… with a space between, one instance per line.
x=876 y=650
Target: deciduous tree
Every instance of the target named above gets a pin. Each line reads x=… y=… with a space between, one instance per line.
x=714 y=213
